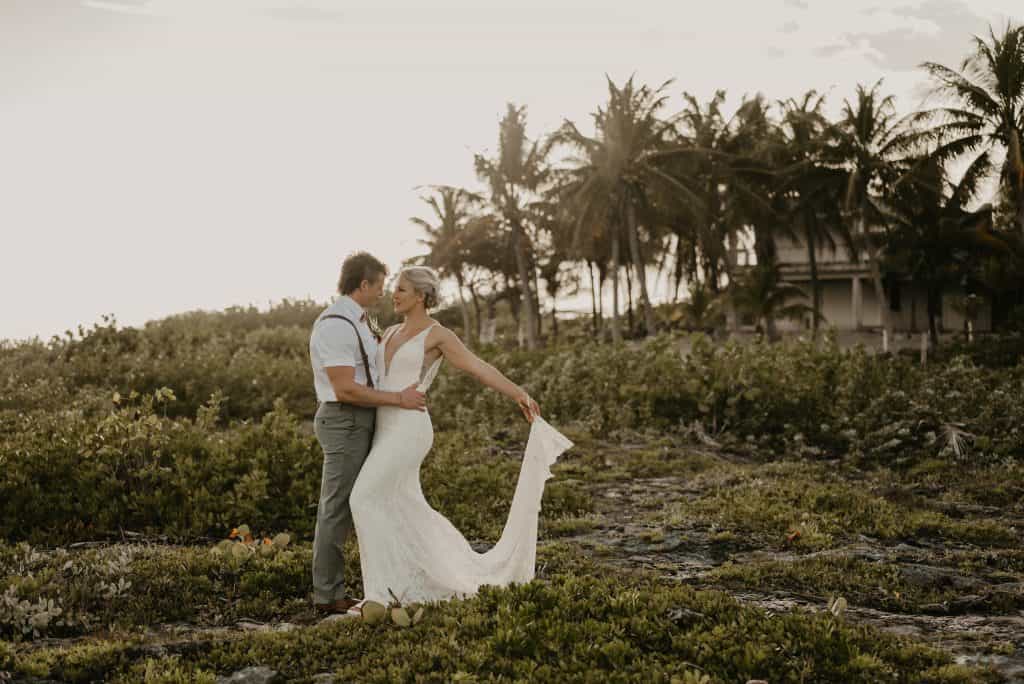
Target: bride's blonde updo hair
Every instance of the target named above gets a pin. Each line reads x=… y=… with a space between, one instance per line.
x=424 y=281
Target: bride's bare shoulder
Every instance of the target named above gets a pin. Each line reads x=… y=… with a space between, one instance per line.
x=440 y=335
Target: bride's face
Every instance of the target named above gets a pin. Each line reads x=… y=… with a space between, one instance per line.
x=405 y=298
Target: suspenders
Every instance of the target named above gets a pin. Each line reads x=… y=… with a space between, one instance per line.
x=362 y=350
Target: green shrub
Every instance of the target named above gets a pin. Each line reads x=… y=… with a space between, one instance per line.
x=69 y=475
x=577 y=625
x=231 y=444
x=126 y=586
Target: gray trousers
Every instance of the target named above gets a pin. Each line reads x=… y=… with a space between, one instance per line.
x=345 y=433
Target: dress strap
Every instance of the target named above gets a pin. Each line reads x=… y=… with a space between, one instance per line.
x=428 y=377
x=389 y=333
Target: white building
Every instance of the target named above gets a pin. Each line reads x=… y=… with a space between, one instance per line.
x=848 y=299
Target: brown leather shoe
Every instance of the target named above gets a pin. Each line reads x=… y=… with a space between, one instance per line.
x=339 y=606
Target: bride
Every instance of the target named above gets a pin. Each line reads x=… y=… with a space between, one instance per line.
x=406 y=547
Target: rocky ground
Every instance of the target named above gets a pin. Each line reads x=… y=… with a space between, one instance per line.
x=950 y=573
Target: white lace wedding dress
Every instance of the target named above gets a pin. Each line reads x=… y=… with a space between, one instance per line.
x=407 y=546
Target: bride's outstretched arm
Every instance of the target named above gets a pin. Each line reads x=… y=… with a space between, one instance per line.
x=457 y=354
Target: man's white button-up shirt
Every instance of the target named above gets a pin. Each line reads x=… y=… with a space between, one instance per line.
x=333 y=343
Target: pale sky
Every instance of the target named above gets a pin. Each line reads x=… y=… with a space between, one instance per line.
x=164 y=156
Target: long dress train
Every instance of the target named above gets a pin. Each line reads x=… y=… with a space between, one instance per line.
x=407 y=546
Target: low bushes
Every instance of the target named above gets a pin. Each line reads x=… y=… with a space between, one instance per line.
x=222 y=438
x=70 y=475
x=575 y=624
x=70 y=593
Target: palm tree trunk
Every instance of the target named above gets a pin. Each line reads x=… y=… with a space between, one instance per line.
x=514 y=300
x=883 y=303
x=467 y=330
x=731 y=315
x=536 y=300
x=616 y=266
x=638 y=264
x=629 y=299
x=711 y=266
x=519 y=248
x=812 y=258
x=933 y=312
x=476 y=309
x=1015 y=173
x=764 y=245
x=593 y=297
x=677 y=274
x=874 y=264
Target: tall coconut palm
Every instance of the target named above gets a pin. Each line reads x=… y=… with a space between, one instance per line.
x=627 y=159
x=588 y=190
x=733 y=168
x=987 y=118
x=556 y=222
x=871 y=139
x=706 y=130
x=754 y=191
x=517 y=172
x=486 y=247
x=757 y=194
x=452 y=210
x=814 y=183
x=935 y=238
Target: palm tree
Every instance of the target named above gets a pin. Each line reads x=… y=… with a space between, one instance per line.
x=871 y=140
x=557 y=225
x=814 y=183
x=758 y=194
x=754 y=192
x=761 y=292
x=625 y=168
x=588 y=190
x=513 y=177
x=988 y=115
x=488 y=262
x=706 y=131
x=452 y=210
x=735 y=163
x=935 y=239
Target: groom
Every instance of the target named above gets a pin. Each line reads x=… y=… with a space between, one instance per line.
x=343 y=353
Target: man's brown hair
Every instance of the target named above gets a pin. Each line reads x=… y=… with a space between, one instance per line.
x=359 y=267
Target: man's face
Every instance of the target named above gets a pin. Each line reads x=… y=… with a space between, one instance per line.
x=374 y=290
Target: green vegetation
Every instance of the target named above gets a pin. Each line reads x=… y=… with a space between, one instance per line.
x=575 y=623
x=867 y=583
x=766 y=470
x=118 y=458
x=808 y=506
